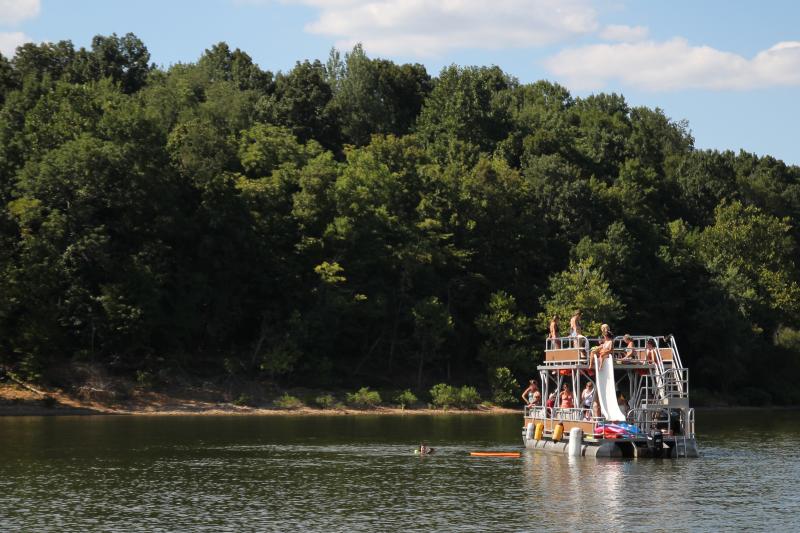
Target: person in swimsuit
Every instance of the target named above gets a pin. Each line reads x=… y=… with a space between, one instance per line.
x=531 y=396
x=650 y=352
x=424 y=449
x=575 y=327
x=587 y=397
x=596 y=411
x=607 y=347
x=567 y=400
x=551 y=402
x=630 y=353
x=554 y=332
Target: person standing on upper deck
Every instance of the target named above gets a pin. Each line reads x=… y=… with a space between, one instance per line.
x=575 y=327
x=606 y=347
x=553 y=334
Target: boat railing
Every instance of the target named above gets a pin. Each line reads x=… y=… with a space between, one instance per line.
x=552 y=416
x=571 y=414
x=677 y=422
x=537 y=411
x=676 y=354
x=566 y=350
x=669 y=384
x=576 y=350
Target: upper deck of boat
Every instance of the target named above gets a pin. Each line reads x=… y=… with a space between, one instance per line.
x=574 y=352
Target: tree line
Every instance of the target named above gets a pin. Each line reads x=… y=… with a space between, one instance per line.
x=361 y=221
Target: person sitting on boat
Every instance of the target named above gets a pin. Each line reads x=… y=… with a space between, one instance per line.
x=630 y=352
x=551 y=402
x=650 y=352
x=587 y=396
x=531 y=396
x=567 y=400
x=553 y=334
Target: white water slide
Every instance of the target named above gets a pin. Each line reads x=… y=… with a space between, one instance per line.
x=607 y=390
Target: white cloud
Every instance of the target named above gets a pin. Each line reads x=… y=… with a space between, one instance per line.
x=425 y=28
x=624 y=34
x=675 y=65
x=10 y=40
x=15 y=11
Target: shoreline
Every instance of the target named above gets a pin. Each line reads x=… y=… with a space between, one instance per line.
x=21 y=410
x=17 y=401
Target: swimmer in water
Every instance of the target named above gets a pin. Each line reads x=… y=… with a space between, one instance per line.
x=424 y=449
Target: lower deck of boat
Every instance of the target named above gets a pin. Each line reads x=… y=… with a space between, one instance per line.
x=667 y=445
x=670 y=447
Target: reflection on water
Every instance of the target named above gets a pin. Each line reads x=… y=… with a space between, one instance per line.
x=360 y=474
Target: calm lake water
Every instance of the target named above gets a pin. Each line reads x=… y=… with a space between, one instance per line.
x=359 y=473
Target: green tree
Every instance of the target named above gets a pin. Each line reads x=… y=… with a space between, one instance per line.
x=751 y=255
x=300 y=102
x=220 y=63
x=124 y=59
x=582 y=286
x=376 y=96
x=508 y=335
x=432 y=325
x=462 y=112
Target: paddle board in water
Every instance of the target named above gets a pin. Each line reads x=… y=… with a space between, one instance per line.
x=494 y=454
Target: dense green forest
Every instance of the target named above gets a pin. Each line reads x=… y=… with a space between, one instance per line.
x=363 y=222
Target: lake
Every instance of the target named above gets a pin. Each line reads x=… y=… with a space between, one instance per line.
x=359 y=473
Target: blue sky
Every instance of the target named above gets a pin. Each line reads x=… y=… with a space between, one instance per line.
x=731 y=68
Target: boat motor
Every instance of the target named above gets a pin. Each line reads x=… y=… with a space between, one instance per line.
x=655 y=441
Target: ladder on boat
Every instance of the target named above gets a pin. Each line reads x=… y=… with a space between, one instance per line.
x=663 y=380
x=679 y=450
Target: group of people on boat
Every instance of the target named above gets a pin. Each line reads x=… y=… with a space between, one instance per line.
x=605 y=348
x=565 y=399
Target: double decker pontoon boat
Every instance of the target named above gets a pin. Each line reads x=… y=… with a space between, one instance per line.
x=657 y=422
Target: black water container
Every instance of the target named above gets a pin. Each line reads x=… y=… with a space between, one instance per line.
x=655 y=441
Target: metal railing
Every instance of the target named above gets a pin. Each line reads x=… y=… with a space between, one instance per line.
x=663 y=419
x=672 y=383
x=563 y=344
x=584 y=344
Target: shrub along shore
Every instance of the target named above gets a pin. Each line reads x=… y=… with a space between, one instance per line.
x=21 y=399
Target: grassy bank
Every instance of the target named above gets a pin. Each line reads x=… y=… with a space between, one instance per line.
x=22 y=400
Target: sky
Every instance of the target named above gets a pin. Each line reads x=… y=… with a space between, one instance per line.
x=731 y=68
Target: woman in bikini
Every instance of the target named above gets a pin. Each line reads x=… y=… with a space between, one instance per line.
x=531 y=396
x=567 y=400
